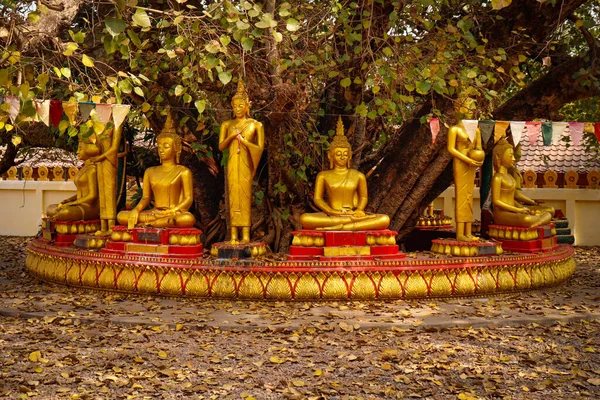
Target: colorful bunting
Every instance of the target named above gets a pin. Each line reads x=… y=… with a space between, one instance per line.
x=119 y=112
x=486 y=127
x=558 y=128
x=15 y=107
x=104 y=112
x=547 y=133
x=56 y=112
x=534 y=128
x=85 y=108
x=434 y=124
x=597 y=130
x=42 y=108
x=500 y=130
x=70 y=109
x=576 y=129
x=471 y=128
x=516 y=128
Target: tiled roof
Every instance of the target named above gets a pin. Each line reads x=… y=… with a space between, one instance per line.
x=560 y=157
x=43 y=156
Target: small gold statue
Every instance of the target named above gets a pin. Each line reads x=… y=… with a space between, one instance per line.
x=508 y=211
x=106 y=162
x=519 y=196
x=83 y=205
x=170 y=184
x=346 y=191
x=467 y=156
x=244 y=137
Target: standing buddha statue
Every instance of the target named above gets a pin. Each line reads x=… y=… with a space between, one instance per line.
x=341 y=193
x=467 y=156
x=244 y=138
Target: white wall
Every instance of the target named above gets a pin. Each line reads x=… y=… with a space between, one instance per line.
x=22 y=204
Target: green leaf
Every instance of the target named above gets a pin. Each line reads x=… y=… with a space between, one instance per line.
x=114 y=26
x=225 y=40
x=71 y=47
x=200 y=105
x=247 y=43
x=277 y=36
x=179 y=90
x=66 y=72
x=423 y=87
x=292 y=25
x=225 y=77
x=346 y=82
x=139 y=91
x=42 y=80
x=87 y=61
x=63 y=125
x=3 y=77
x=33 y=17
x=141 y=18
x=241 y=25
x=134 y=38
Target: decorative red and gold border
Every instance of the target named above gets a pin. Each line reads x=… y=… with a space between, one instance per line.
x=408 y=278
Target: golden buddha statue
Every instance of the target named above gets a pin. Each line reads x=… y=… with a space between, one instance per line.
x=467 y=156
x=519 y=196
x=106 y=163
x=84 y=204
x=170 y=184
x=508 y=211
x=346 y=191
x=244 y=137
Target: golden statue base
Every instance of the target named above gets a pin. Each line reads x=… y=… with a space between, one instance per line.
x=229 y=251
x=420 y=275
x=525 y=240
x=458 y=248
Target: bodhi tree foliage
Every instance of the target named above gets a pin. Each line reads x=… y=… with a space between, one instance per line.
x=386 y=67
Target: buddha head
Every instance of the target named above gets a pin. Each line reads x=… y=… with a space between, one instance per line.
x=340 y=150
x=240 y=102
x=503 y=154
x=465 y=105
x=168 y=141
x=87 y=148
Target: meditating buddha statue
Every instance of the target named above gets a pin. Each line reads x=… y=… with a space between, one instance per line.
x=170 y=184
x=244 y=137
x=83 y=205
x=508 y=211
x=467 y=156
x=341 y=193
x=519 y=196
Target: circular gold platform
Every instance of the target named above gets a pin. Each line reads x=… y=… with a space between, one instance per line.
x=421 y=277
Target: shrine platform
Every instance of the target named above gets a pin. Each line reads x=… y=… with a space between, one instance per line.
x=417 y=275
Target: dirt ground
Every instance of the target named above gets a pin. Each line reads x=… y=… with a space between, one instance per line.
x=59 y=342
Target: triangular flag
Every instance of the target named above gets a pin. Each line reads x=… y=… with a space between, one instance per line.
x=104 y=112
x=500 y=130
x=119 y=113
x=486 y=127
x=434 y=124
x=547 y=133
x=85 y=108
x=70 y=110
x=534 y=128
x=597 y=130
x=516 y=128
x=15 y=107
x=42 y=107
x=471 y=128
x=1 y=99
x=558 y=129
x=56 y=112
x=576 y=129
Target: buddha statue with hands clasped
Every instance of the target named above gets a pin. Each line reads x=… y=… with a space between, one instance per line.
x=171 y=186
x=341 y=194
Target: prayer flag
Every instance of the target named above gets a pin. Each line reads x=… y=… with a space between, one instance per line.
x=516 y=128
x=576 y=129
x=558 y=128
x=85 y=108
x=471 y=128
x=486 y=127
x=56 y=112
x=104 y=112
x=15 y=107
x=500 y=130
x=70 y=109
x=534 y=128
x=119 y=113
x=434 y=124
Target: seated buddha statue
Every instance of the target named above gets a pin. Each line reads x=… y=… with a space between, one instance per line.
x=341 y=193
x=507 y=210
x=519 y=196
x=169 y=184
x=83 y=205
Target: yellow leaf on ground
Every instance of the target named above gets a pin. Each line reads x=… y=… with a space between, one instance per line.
x=35 y=356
